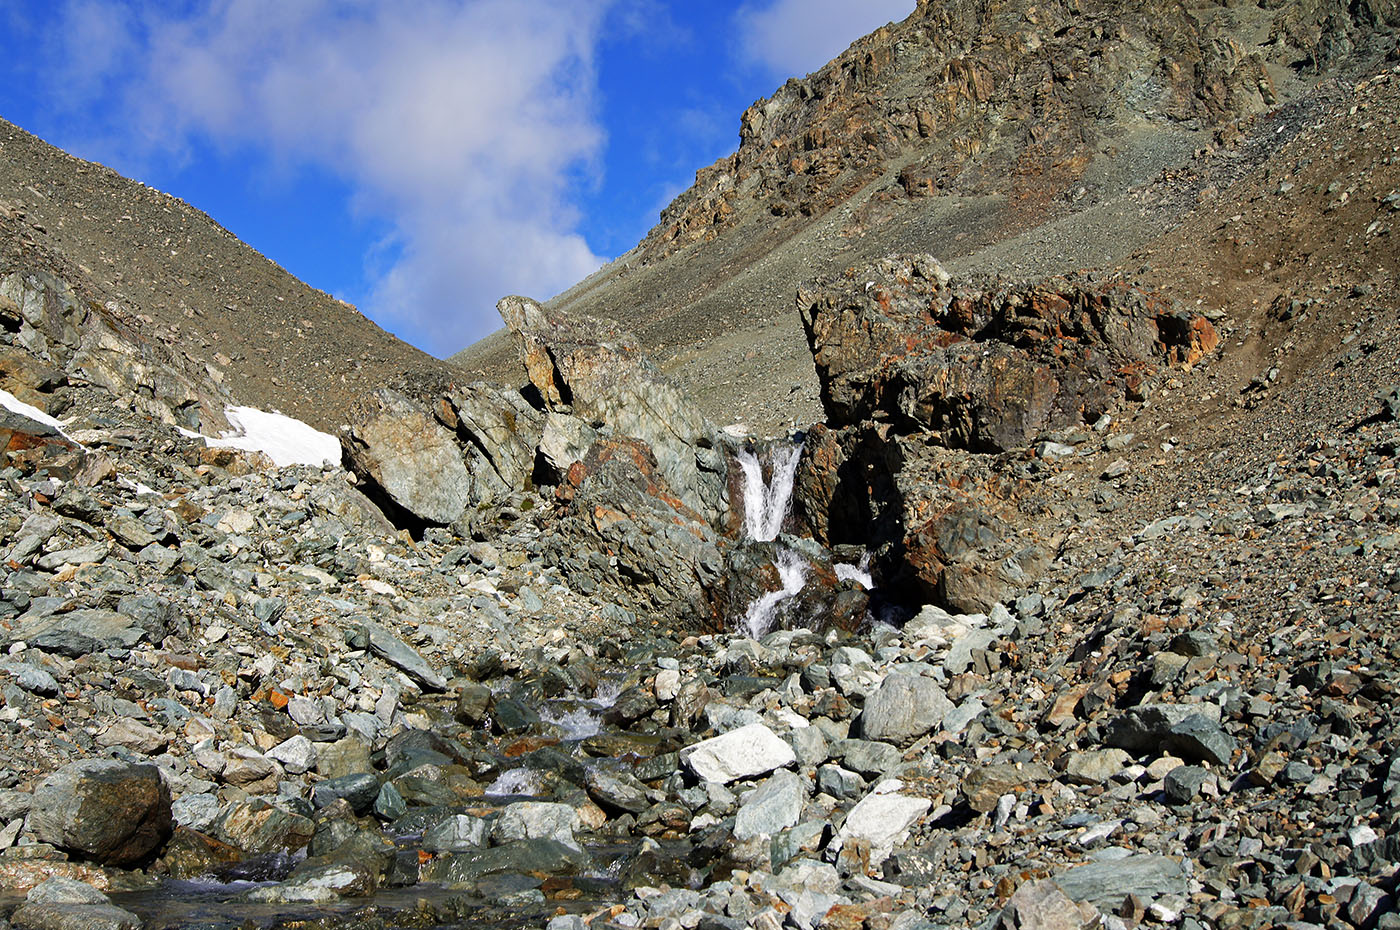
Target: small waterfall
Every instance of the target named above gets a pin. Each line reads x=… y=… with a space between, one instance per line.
x=792 y=571
x=766 y=504
x=765 y=508
x=860 y=574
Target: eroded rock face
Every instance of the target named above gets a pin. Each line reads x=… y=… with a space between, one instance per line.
x=602 y=378
x=627 y=528
x=987 y=367
x=94 y=342
x=415 y=463
x=109 y=811
x=941 y=525
x=1011 y=98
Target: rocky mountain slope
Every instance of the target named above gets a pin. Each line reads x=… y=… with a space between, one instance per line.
x=1002 y=137
x=171 y=279
x=1083 y=613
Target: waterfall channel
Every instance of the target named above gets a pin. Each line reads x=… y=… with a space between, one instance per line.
x=766 y=506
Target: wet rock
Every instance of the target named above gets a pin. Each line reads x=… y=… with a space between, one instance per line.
x=536 y=820
x=617 y=791
x=473 y=701
x=457 y=833
x=109 y=811
x=906 y=705
x=192 y=853
x=742 y=753
x=54 y=916
x=396 y=446
x=462 y=870
x=258 y=827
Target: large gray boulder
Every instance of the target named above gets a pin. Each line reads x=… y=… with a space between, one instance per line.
x=400 y=450
x=905 y=706
x=102 y=809
x=627 y=531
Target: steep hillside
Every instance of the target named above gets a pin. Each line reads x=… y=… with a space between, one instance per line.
x=1002 y=137
x=188 y=289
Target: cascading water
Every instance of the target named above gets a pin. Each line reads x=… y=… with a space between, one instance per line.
x=860 y=574
x=792 y=571
x=766 y=503
x=766 y=506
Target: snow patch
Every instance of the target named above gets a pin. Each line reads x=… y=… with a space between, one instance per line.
x=286 y=440
x=14 y=404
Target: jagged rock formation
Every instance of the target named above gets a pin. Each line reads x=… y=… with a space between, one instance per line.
x=988 y=368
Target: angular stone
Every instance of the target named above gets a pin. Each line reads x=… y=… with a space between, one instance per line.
x=743 y=753
x=984 y=785
x=1096 y=766
x=881 y=819
x=80 y=632
x=774 y=805
x=616 y=791
x=403 y=656
x=257 y=827
x=1191 y=731
x=74 y=917
x=1106 y=884
x=133 y=735
x=394 y=444
x=457 y=833
x=297 y=754
x=536 y=820
x=359 y=790
x=1043 y=905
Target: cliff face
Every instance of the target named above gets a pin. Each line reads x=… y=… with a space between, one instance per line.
x=1012 y=98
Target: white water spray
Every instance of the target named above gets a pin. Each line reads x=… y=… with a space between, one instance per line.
x=765 y=508
x=792 y=571
x=766 y=504
x=860 y=574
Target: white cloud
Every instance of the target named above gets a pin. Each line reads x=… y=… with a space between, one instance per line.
x=796 y=37
x=461 y=121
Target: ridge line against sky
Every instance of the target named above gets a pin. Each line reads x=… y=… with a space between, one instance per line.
x=418 y=160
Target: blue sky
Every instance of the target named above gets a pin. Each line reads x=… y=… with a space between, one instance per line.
x=419 y=159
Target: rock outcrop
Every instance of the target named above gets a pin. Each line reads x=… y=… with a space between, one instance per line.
x=600 y=376
x=988 y=368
